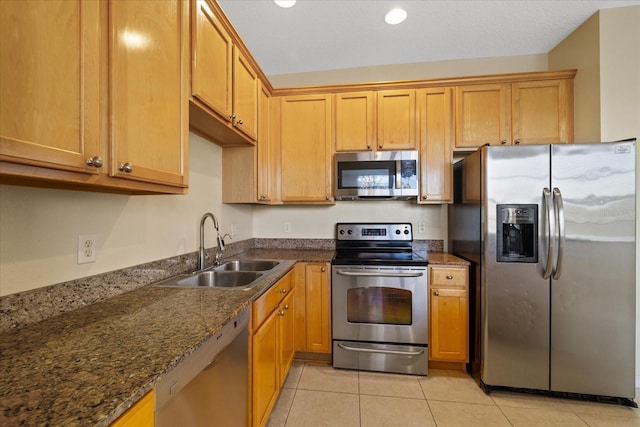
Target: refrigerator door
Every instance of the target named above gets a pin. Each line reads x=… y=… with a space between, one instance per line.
x=593 y=299
x=514 y=295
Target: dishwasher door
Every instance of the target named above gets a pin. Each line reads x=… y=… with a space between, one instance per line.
x=217 y=396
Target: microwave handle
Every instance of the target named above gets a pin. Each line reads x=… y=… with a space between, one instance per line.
x=398 y=174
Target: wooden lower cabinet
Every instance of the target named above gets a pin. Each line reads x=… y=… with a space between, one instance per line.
x=141 y=414
x=313 y=307
x=272 y=346
x=449 y=315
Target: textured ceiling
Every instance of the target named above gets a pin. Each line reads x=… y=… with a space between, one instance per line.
x=318 y=35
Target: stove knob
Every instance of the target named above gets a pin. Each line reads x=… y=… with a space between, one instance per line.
x=350 y=231
x=406 y=231
x=397 y=231
x=341 y=231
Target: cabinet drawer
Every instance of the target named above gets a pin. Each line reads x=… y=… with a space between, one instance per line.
x=448 y=277
x=263 y=306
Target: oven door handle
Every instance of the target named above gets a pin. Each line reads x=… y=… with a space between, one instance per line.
x=378 y=274
x=374 y=350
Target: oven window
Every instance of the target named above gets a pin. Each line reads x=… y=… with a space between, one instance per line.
x=388 y=306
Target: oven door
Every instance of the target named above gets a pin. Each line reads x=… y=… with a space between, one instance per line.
x=380 y=304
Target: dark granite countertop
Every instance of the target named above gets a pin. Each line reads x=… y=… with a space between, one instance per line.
x=87 y=366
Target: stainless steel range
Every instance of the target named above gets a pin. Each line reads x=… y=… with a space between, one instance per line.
x=379 y=299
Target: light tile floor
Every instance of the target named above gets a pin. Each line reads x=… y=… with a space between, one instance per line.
x=317 y=395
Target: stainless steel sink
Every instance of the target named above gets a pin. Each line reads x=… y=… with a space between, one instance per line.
x=247 y=265
x=214 y=279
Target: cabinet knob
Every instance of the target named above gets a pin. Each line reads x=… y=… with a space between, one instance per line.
x=96 y=162
x=323 y=269
x=449 y=277
x=240 y=122
x=503 y=142
x=379 y=147
x=286 y=307
x=126 y=167
x=517 y=141
x=283 y=291
x=232 y=116
x=436 y=293
x=263 y=197
x=424 y=197
x=281 y=313
x=368 y=147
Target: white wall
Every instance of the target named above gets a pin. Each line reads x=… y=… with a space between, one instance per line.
x=40 y=227
x=319 y=221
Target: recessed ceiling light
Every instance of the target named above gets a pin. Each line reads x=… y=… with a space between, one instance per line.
x=395 y=16
x=285 y=3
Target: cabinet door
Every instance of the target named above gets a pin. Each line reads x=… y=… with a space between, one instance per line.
x=149 y=123
x=397 y=120
x=211 y=74
x=318 y=307
x=542 y=112
x=436 y=129
x=245 y=96
x=449 y=325
x=305 y=135
x=264 y=365
x=141 y=414
x=49 y=103
x=355 y=121
x=483 y=115
x=264 y=166
x=286 y=334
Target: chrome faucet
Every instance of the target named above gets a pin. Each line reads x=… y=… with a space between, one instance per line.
x=219 y=242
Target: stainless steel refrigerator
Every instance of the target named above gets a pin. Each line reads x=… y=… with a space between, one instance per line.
x=550 y=232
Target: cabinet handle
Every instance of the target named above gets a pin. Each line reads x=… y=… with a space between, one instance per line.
x=232 y=116
x=263 y=197
x=323 y=269
x=126 y=167
x=283 y=291
x=368 y=147
x=96 y=162
x=379 y=147
x=424 y=197
x=517 y=141
x=281 y=313
x=240 y=121
x=286 y=307
x=436 y=293
x=449 y=277
x=503 y=142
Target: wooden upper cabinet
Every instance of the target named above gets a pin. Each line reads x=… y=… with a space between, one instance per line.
x=149 y=122
x=521 y=112
x=542 y=112
x=483 y=115
x=212 y=61
x=268 y=166
x=435 y=108
x=397 y=120
x=245 y=96
x=305 y=137
x=49 y=84
x=355 y=121
x=224 y=83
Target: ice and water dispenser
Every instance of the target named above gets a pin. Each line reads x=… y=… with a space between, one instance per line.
x=517 y=233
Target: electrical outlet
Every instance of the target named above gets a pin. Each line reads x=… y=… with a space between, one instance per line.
x=86 y=248
x=287 y=227
x=234 y=229
x=422 y=227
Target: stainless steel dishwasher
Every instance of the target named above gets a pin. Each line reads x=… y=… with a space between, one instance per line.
x=209 y=388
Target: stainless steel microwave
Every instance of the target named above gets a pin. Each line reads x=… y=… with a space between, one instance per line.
x=371 y=175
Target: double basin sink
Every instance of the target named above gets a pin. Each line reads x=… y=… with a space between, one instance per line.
x=236 y=274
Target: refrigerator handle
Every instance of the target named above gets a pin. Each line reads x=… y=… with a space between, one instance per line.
x=551 y=231
x=559 y=217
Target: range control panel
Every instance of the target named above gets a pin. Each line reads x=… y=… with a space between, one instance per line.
x=374 y=231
